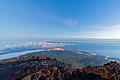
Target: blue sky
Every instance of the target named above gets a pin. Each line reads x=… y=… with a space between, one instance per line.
x=59 y=19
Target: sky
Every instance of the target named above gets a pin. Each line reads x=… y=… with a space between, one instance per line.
x=59 y=19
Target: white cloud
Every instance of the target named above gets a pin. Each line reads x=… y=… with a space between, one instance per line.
x=100 y=32
x=71 y=22
x=11 y=45
x=118 y=26
x=16 y=54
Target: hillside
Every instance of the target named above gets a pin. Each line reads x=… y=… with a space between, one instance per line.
x=77 y=58
x=45 y=68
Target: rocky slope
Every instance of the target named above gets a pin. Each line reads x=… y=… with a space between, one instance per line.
x=44 y=68
x=77 y=58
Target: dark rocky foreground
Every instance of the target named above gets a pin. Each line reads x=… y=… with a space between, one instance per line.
x=44 y=68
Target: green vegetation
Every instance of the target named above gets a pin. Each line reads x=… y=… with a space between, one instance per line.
x=71 y=57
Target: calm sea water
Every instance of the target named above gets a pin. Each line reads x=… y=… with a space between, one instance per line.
x=105 y=47
x=101 y=47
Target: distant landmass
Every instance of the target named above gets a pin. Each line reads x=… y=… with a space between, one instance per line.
x=77 y=58
x=45 y=68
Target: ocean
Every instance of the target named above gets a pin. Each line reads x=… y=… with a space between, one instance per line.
x=104 y=47
x=111 y=49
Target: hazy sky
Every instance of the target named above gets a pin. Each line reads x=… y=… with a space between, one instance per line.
x=59 y=19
